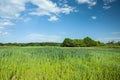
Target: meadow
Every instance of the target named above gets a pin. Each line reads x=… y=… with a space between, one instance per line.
x=59 y=63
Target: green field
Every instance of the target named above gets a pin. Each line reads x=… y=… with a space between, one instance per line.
x=56 y=63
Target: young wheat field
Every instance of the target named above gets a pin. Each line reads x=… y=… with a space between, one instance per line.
x=56 y=63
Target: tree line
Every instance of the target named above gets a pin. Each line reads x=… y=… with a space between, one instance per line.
x=31 y=44
x=86 y=42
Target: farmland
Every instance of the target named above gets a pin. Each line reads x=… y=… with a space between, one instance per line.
x=58 y=63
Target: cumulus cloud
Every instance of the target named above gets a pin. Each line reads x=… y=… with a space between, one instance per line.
x=89 y=2
x=53 y=18
x=47 y=7
x=94 y=17
x=4 y=23
x=106 y=7
x=107 y=4
x=12 y=9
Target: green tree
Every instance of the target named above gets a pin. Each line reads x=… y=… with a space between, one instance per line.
x=1 y=44
x=68 y=42
x=79 y=43
x=98 y=43
x=118 y=43
x=89 y=42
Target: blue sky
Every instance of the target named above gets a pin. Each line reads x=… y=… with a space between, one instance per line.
x=54 y=20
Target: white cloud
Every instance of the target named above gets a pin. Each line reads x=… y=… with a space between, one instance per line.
x=94 y=17
x=89 y=2
x=107 y=4
x=106 y=7
x=35 y=37
x=26 y=19
x=47 y=7
x=4 y=23
x=11 y=9
x=40 y=13
x=53 y=18
x=3 y=33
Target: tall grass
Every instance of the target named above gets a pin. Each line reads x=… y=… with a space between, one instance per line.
x=54 y=63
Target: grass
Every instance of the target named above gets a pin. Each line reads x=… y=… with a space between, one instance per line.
x=56 y=63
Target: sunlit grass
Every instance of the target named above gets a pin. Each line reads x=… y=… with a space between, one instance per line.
x=54 y=63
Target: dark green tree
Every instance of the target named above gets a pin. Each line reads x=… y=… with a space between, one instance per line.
x=89 y=42
x=1 y=44
x=79 y=43
x=68 y=42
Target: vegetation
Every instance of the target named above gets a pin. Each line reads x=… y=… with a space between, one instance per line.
x=31 y=44
x=58 y=63
x=113 y=44
x=86 y=42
